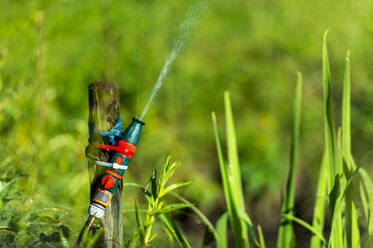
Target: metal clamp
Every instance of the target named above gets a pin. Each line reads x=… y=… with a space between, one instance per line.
x=112 y=165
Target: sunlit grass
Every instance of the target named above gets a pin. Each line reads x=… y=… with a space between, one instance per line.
x=338 y=180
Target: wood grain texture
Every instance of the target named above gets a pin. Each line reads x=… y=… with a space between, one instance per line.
x=103 y=114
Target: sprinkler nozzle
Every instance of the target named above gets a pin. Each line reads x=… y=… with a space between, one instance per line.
x=108 y=183
x=133 y=131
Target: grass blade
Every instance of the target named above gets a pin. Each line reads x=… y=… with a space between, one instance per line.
x=234 y=176
x=226 y=185
x=319 y=209
x=336 y=238
x=352 y=214
x=233 y=162
x=286 y=234
x=231 y=178
x=221 y=229
x=306 y=225
x=346 y=126
x=329 y=129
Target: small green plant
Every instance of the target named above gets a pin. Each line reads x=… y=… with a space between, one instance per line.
x=155 y=191
x=159 y=208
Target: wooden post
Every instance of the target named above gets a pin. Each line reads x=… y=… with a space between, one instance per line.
x=103 y=115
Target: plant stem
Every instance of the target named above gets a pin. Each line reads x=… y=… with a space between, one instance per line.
x=150 y=218
x=148 y=230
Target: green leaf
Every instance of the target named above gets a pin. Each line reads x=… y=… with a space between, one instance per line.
x=173 y=207
x=168 y=173
x=136 y=185
x=221 y=229
x=164 y=169
x=173 y=187
x=174 y=230
x=222 y=163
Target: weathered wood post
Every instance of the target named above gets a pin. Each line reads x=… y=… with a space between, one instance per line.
x=103 y=115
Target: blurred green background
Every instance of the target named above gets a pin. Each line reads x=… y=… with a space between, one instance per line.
x=50 y=51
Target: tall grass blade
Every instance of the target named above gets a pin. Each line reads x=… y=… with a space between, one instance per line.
x=346 y=122
x=231 y=177
x=223 y=167
x=233 y=162
x=336 y=238
x=328 y=115
x=286 y=233
x=222 y=164
x=234 y=176
x=352 y=212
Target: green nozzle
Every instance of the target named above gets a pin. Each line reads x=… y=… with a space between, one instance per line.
x=133 y=131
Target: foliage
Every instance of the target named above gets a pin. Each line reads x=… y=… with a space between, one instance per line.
x=158 y=209
x=338 y=177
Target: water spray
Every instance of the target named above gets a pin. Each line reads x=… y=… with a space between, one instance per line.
x=182 y=36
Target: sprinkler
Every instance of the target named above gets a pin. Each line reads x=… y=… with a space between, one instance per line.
x=105 y=186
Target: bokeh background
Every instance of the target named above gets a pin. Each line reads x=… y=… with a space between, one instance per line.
x=50 y=51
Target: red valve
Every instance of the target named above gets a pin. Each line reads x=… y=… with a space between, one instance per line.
x=125 y=148
x=108 y=182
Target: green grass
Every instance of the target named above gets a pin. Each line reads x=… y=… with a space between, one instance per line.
x=231 y=177
x=338 y=180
